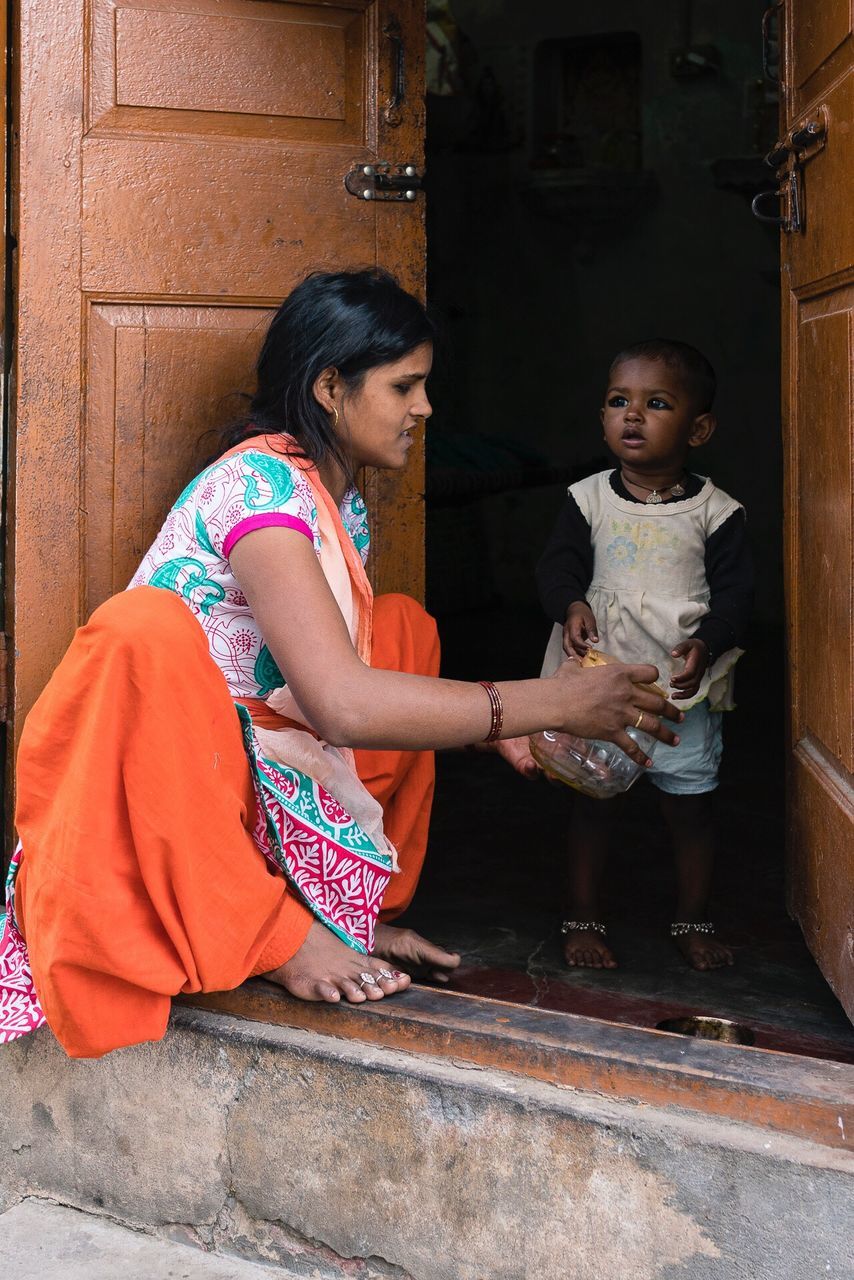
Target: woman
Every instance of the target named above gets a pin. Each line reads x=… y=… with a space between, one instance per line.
x=230 y=772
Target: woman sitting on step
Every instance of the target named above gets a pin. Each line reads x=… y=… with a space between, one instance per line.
x=230 y=772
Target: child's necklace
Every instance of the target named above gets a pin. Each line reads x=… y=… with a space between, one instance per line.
x=654 y=497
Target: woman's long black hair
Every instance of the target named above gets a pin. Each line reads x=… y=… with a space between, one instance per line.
x=351 y=321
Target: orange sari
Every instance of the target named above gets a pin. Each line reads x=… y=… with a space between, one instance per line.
x=142 y=875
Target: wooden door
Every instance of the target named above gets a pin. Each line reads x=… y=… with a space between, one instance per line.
x=180 y=166
x=818 y=313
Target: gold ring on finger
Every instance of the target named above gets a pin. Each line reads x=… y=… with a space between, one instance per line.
x=639 y=719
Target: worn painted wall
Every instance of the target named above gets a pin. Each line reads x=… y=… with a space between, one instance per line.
x=534 y=306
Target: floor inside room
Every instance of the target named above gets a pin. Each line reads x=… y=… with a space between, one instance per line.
x=493 y=883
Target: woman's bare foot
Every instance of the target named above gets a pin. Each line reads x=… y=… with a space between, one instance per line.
x=406 y=948
x=325 y=968
x=703 y=951
x=587 y=949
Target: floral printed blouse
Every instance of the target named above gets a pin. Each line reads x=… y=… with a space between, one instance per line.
x=190 y=554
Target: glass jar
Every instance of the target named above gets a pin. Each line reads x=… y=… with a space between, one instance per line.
x=598 y=769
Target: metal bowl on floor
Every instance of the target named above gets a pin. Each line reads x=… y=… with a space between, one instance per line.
x=708 y=1029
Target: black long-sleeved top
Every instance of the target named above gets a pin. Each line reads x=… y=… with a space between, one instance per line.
x=565 y=570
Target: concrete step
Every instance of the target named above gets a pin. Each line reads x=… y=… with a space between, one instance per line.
x=43 y=1241
x=340 y=1159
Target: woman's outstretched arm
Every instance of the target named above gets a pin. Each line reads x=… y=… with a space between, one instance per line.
x=351 y=704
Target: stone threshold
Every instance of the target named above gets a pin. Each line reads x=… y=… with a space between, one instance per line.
x=803 y=1097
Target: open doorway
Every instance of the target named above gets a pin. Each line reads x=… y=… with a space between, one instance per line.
x=590 y=173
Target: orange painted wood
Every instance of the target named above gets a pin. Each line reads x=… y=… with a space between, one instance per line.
x=819 y=35
x=230 y=67
x=818 y=322
x=181 y=166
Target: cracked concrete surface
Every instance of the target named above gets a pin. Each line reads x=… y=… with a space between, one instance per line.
x=44 y=1241
x=343 y=1161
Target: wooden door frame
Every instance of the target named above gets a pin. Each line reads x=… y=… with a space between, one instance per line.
x=7 y=338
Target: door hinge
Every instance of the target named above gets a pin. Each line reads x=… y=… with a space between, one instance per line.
x=382 y=181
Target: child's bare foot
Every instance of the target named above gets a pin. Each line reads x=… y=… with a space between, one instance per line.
x=325 y=968
x=407 y=948
x=587 y=949
x=703 y=951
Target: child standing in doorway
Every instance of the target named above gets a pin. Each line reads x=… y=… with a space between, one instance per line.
x=649 y=562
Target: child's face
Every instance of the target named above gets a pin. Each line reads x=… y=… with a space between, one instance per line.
x=650 y=419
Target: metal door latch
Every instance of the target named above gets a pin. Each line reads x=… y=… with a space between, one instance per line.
x=382 y=181
x=789 y=158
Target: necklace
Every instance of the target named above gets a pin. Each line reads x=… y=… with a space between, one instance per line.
x=654 y=497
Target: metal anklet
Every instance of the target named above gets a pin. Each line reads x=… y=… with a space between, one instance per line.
x=680 y=928
x=582 y=926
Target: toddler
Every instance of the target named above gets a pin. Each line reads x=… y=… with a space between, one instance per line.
x=649 y=562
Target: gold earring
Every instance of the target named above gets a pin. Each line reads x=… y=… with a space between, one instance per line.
x=335 y=423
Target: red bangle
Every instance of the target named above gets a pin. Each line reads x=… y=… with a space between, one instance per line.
x=497 y=708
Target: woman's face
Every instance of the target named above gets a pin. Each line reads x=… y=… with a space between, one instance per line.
x=377 y=420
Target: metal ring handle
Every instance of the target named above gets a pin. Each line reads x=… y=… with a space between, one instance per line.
x=755 y=207
x=392 y=112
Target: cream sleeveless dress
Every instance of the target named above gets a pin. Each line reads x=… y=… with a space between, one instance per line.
x=649 y=588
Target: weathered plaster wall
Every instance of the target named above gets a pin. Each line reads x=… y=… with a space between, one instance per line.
x=342 y=1160
x=534 y=307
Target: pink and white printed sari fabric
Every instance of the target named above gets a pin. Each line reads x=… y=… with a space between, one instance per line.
x=20 y=1011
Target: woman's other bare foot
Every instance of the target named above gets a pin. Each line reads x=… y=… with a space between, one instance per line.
x=325 y=968
x=703 y=951
x=587 y=949
x=408 y=949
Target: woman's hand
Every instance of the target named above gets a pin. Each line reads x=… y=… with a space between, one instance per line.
x=579 y=630
x=602 y=702
x=696 y=655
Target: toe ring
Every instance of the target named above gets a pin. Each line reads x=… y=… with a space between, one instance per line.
x=581 y=926
x=367 y=980
x=680 y=927
x=386 y=973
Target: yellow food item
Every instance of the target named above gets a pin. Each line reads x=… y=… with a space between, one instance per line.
x=596 y=658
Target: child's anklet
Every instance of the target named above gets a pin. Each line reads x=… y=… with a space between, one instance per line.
x=583 y=926
x=680 y=928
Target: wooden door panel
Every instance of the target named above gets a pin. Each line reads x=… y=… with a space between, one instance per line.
x=823 y=686
x=267 y=70
x=828 y=235
x=818 y=30
x=818 y=316
x=151 y=367
x=182 y=166
x=821 y=820
x=233 y=233
x=819 y=49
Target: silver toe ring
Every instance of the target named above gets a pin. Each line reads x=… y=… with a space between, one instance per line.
x=367 y=980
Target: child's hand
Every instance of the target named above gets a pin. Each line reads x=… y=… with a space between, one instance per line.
x=696 y=657
x=579 y=630
x=517 y=753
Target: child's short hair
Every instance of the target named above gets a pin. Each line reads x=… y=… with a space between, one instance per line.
x=691 y=365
